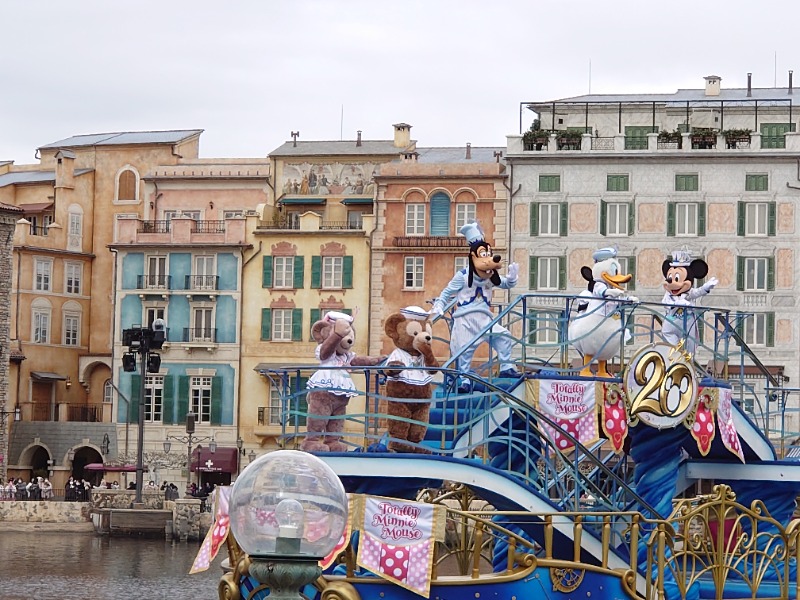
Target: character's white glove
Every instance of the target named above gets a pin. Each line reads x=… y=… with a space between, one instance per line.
x=631 y=298
x=513 y=271
x=436 y=311
x=613 y=293
x=710 y=284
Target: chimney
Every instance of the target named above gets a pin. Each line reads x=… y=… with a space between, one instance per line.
x=468 y=156
x=713 y=83
x=295 y=135
x=65 y=169
x=358 y=139
x=790 y=82
x=749 y=84
x=402 y=135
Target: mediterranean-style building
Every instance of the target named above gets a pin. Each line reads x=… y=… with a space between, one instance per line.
x=710 y=170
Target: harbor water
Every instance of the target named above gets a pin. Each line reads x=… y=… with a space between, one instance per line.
x=44 y=566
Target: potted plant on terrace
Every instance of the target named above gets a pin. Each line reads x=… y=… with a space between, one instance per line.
x=736 y=137
x=535 y=138
x=569 y=139
x=670 y=137
x=703 y=138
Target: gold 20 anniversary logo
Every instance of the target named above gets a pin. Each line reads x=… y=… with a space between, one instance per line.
x=660 y=386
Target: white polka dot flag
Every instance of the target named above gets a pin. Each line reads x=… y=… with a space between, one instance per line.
x=217 y=533
x=397 y=539
x=727 y=429
x=572 y=404
x=703 y=429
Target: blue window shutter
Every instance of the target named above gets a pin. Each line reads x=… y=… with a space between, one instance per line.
x=266 y=324
x=168 y=411
x=440 y=214
x=216 y=400
x=316 y=272
x=299 y=266
x=266 y=275
x=347 y=272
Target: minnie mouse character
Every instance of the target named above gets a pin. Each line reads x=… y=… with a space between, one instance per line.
x=680 y=322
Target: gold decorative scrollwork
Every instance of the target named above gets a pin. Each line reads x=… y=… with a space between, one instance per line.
x=340 y=590
x=566 y=580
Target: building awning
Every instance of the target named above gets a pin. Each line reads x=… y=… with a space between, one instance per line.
x=47 y=376
x=303 y=201
x=351 y=201
x=221 y=461
x=35 y=207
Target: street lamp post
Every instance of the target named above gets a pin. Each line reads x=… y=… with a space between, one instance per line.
x=239 y=455
x=190 y=439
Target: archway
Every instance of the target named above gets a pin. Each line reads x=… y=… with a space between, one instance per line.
x=39 y=462
x=84 y=456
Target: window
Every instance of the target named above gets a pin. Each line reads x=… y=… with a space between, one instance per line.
x=415 y=272
x=773 y=135
x=232 y=214
x=461 y=263
x=191 y=214
x=465 y=213
x=152 y=313
x=274 y=409
x=332 y=272
x=202 y=330
x=547 y=273
x=548 y=218
x=549 y=183
x=200 y=393
x=284 y=271
x=44 y=272
x=755 y=274
x=72 y=276
x=758 y=329
x=205 y=273
x=75 y=226
x=156 y=272
x=756 y=183
x=296 y=402
x=72 y=329
x=687 y=183
x=108 y=391
x=415 y=219
x=282 y=325
x=636 y=136
x=627 y=266
x=440 y=214
x=40 y=318
x=153 y=398
x=617 y=183
x=686 y=218
x=617 y=218
x=756 y=219
x=127 y=186
x=355 y=219
x=543 y=327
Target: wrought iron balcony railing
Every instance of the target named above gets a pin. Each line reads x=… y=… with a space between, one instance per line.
x=430 y=241
x=209 y=227
x=154 y=282
x=153 y=227
x=201 y=282
x=199 y=334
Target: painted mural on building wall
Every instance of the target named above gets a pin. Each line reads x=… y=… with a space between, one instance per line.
x=329 y=179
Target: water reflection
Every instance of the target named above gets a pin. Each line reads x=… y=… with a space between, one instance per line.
x=70 y=565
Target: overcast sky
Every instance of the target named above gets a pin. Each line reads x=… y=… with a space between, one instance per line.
x=248 y=72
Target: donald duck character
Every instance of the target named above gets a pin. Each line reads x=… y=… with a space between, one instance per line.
x=596 y=331
x=680 y=321
x=472 y=287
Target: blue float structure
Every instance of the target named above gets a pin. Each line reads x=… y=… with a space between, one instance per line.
x=659 y=481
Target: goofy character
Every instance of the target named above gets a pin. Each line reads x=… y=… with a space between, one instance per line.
x=472 y=287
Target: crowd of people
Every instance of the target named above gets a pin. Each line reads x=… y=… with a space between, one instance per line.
x=38 y=488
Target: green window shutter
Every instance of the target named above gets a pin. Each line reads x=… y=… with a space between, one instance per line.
x=770 y=322
x=534 y=218
x=347 y=272
x=297 y=324
x=533 y=264
x=266 y=324
x=183 y=398
x=771 y=273
x=740 y=273
x=216 y=400
x=266 y=273
x=532 y=322
x=562 y=272
x=316 y=272
x=701 y=218
x=772 y=218
x=168 y=402
x=631 y=218
x=133 y=401
x=680 y=183
x=670 y=219
x=740 y=217
x=563 y=225
x=603 y=217
x=632 y=271
x=315 y=315
x=299 y=267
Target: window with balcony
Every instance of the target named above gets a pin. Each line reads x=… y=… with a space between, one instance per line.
x=205 y=273
x=414 y=273
x=756 y=219
x=73 y=273
x=547 y=273
x=543 y=326
x=465 y=213
x=757 y=329
x=273 y=413
x=756 y=182
x=440 y=214
x=41 y=310
x=282 y=324
x=617 y=183
x=686 y=219
x=156 y=275
x=202 y=329
x=200 y=394
x=549 y=183
x=415 y=219
x=755 y=274
x=617 y=218
x=331 y=272
x=687 y=182
x=43 y=268
x=548 y=218
x=153 y=398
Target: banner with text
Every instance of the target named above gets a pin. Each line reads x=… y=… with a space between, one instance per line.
x=571 y=404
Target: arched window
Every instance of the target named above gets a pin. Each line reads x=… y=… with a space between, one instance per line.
x=108 y=391
x=440 y=214
x=127 y=186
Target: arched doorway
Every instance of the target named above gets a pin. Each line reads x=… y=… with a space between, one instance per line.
x=83 y=457
x=40 y=463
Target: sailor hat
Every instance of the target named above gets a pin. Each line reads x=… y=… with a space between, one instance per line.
x=414 y=313
x=604 y=254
